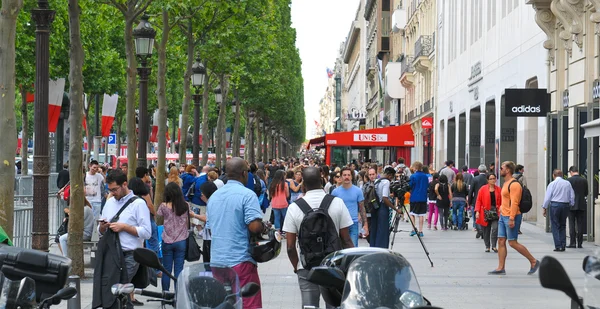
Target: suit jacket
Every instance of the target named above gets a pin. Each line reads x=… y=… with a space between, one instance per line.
x=478 y=182
x=580 y=186
x=109 y=269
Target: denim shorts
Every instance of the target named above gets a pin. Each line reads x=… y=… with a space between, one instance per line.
x=504 y=231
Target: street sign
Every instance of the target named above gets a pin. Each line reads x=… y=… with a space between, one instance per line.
x=112 y=139
x=112 y=149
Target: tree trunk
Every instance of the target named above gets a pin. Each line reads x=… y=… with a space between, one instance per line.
x=205 y=138
x=185 y=106
x=222 y=138
x=236 y=128
x=259 y=157
x=88 y=134
x=75 y=238
x=247 y=134
x=8 y=125
x=265 y=144
x=24 y=133
x=161 y=95
x=130 y=102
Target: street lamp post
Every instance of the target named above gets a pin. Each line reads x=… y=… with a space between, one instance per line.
x=144 y=41
x=198 y=75
x=43 y=18
x=259 y=145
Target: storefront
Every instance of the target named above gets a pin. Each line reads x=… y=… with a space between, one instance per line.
x=393 y=142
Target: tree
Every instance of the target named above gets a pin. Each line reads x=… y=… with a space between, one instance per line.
x=75 y=237
x=131 y=10
x=8 y=27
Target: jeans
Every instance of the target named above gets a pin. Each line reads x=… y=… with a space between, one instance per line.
x=353 y=230
x=490 y=234
x=62 y=240
x=504 y=229
x=558 y=218
x=96 y=209
x=379 y=229
x=432 y=209
x=458 y=209
x=173 y=254
x=279 y=217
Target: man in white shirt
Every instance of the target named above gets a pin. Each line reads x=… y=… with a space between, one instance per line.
x=339 y=215
x=133 y=224
x=93 y=188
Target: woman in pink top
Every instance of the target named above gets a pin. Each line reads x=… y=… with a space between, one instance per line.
x=279 y=192
x=175 y=213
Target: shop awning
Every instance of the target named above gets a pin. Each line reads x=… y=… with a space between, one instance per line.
x=393 y=136
x=317 y=141
x=592 y=128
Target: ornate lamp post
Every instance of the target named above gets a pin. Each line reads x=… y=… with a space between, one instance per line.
x=198 y=75
x=43 y=18
x=144 y=42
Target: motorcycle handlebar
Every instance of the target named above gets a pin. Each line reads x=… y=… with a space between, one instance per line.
x=163 y=295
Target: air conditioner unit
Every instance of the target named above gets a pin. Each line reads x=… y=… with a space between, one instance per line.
x=399 y=20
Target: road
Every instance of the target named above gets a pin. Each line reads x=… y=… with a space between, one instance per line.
x=458 y=279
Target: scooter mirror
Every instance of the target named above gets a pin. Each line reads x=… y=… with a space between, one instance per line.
x=65 y=293
x=249 y=289
x=327 y=277
x=553 y=276
x=591 y=266
x=149 y=258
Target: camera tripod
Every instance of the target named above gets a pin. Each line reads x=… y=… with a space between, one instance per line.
x=394 y=229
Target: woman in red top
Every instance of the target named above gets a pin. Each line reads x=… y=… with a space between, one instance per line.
x=489 y=201
x=279 y=192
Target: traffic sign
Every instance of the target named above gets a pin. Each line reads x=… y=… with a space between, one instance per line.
x=112 y=139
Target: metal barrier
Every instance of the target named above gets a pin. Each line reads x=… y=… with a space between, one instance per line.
x=23 y=221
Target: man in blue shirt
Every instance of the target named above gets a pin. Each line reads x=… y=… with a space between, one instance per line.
x=233 y=213
x=353 y=198
x=418 y=196
x=560 y=196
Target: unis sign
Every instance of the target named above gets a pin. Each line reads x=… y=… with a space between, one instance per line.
x=358 y=137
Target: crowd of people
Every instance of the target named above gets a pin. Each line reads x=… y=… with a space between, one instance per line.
x=225 y=207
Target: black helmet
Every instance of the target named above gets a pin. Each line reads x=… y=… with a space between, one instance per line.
x=264 y=250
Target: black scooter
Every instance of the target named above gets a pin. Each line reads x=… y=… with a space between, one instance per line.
x=150 y=259
x=553 y=276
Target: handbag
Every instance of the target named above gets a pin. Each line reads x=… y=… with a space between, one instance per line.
x=192 y=252
x=491 y=215
x=190 y=192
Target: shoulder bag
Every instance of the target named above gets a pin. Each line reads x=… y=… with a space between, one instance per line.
x=192 y=252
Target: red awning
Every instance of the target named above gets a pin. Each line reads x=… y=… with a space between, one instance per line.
x=317 y=141
x=393 y=136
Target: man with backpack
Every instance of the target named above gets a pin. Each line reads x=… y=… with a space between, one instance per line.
x=321 y=224
x=510 y=219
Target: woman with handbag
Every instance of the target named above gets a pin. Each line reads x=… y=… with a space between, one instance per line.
x=175 y=213
x=487 y=211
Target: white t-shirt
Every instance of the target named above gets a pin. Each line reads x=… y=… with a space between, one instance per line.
x=337 y=211
x=219 y=183
x=93 y=187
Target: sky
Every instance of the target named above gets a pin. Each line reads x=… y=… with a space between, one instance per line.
x=321 y=25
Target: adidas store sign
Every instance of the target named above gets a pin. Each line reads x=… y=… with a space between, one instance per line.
x=526 y=102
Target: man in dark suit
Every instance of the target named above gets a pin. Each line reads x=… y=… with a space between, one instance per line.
x=577 y=216
x=476 y=184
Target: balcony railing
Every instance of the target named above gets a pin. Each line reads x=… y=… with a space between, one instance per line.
x=407 y=65
x=423 y=46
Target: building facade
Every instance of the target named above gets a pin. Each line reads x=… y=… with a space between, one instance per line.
x=419 y=75
x=570 y=43
x=483 y=48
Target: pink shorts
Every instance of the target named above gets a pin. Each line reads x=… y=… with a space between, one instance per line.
x=248 y=272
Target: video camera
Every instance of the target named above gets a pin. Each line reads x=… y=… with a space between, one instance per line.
x=400 y=187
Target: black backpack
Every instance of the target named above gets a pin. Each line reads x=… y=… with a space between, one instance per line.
x=371 y=201
x=526 y=199
x=318 y=236
x=257 y=185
